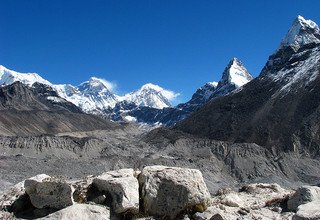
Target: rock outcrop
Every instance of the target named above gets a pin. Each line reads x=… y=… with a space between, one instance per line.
x=171 y=190
x=123 y=187
x=308 y=211
x=304 y=195
x=49 y=192
x=81 y=212
x=9 y=200
x=163 y=192
x=253 y=201
x=168 y=191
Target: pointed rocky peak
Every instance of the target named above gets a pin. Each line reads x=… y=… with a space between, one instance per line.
x=302 y=32
x=152 y=96
x=234 y=76
x=235 y=73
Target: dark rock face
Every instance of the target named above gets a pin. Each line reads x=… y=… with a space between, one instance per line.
x=201 y=96
x=166 y=116
x=40 y=97
x=279 y=109
x=39 y=110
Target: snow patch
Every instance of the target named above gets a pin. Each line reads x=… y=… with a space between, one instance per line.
x=130 y=118
x=56 y=99
x=213 y=84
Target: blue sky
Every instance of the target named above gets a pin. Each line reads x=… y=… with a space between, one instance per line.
x=179 y=45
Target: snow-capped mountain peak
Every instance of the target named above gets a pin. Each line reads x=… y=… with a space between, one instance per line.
x=301 y=32
x=97 y=83
x=8 y=77
x=152 y=96
x=93 y=95
x=149 y=86
x=236 y=74
x=233 y=77
x=304 y=22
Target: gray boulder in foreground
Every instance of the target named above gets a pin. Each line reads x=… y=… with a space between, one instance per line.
x=123 y=187
x=8 y=198
x=80 y=212
x=168 y=191
x=165 y=193
x=308 y=211
x=303 y=195
x=49 y=192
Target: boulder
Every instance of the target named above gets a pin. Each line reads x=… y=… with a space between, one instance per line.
x=308 y=211
x=232 y=200
x=49 y=192
x=123 y=187
x=11 y=195
x=303 y=195
x=80 y=212
x=10 y=200
x=168 y=191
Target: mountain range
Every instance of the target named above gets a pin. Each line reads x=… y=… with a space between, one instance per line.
x=150 y=104
x=237 y=131
x=233 y=78
x=280 y=108
x=237 y=108
x=94 y=95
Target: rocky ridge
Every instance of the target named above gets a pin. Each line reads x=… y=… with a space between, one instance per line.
x=38 y=110
x=76 y=154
